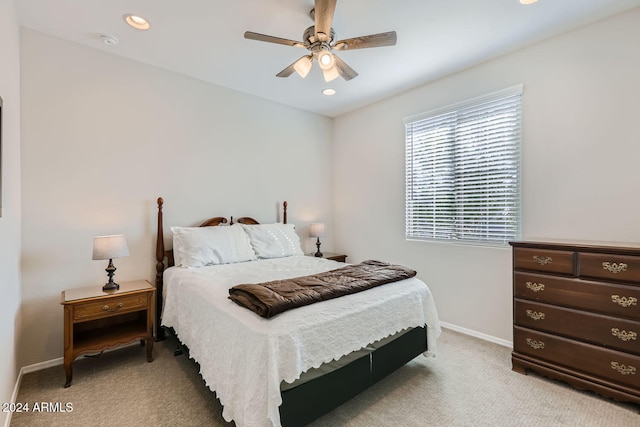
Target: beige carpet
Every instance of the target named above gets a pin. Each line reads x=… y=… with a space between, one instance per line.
x=470 y=383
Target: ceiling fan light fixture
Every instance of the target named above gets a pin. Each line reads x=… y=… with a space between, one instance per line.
x=328 y=91
x=330 y=74
x=303 y=66
x=528 y=1
x=319 y=40
x=326 y=60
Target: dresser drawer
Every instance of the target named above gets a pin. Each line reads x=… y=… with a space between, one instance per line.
x=112 y=306
x=612 y=365
x=604 y=298
x=551 y=261
x=621 y=268
x=609 y=331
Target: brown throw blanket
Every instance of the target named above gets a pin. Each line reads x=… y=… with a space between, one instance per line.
x=271 y=298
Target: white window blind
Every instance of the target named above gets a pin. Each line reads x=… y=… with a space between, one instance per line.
x=463 y=171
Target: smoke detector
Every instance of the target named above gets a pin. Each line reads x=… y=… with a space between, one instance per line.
x=109 y=40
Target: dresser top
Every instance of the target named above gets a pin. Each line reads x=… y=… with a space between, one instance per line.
x=581 y=245
x=96 y=290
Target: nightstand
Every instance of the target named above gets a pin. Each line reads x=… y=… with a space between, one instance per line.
x=95 y=320
x=331 y=255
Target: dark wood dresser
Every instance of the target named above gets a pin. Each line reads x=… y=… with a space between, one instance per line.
x=576 y=313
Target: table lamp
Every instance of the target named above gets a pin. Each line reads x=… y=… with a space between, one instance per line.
x=317 y=230
x=109 y=247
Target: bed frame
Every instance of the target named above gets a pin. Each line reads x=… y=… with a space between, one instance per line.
x=309 y=401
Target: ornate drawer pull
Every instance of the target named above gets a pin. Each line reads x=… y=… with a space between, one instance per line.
x=535 y=287
x=614 y=267
x=535 y=315
x=623 y=369
x=538 y=345
x=106 y=307
x=624 y=301
x=542 y=260
x=624 y=335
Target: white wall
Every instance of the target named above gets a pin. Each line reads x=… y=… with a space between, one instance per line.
x=103 y=137
x=10 y=219
x=581 y=148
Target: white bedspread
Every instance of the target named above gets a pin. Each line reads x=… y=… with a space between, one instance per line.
x=244 y=357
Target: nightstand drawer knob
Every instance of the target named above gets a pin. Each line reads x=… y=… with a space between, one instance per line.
x=106 y=307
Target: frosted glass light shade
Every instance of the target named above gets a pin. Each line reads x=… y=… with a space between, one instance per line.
x=326 y=60
x=303 y=66
x=330 y=74
x=108 y=247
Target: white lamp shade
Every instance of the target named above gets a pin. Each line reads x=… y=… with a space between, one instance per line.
x=317 y=230
x=108 y=247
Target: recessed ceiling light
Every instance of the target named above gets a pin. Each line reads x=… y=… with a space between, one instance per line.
x=328 y=91
x=527 y=1
x=137 y=22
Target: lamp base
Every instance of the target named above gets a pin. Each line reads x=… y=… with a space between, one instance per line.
x=110 y=286
x=318 y=253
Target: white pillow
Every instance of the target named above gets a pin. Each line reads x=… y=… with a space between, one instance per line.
x=273 y=240
x=200 y=246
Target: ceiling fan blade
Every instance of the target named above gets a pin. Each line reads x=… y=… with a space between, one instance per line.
x=373 y=40
x=287 y=71
x=271 y=39
x=345 y=71
x=323 y=12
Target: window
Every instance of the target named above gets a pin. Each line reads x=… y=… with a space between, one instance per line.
x=463 y=171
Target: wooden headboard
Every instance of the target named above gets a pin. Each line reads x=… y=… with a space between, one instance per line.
x=162 y=254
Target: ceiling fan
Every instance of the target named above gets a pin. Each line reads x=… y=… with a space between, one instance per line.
x=319 y=40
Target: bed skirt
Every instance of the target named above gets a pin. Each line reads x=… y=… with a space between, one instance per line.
x=309 y=401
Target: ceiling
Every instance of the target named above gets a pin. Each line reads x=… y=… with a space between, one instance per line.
x=204 y=39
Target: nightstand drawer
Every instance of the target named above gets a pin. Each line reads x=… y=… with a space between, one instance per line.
x=553 y=261
x=109 y=307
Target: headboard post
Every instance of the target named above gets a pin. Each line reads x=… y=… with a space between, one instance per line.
x=159 y=271
x=284 y=208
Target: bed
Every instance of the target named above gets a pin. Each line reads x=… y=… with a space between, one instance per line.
x=300 y=364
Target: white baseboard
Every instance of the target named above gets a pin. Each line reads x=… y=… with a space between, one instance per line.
x=476 y=334
x=26 y=370
x=40 y=366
